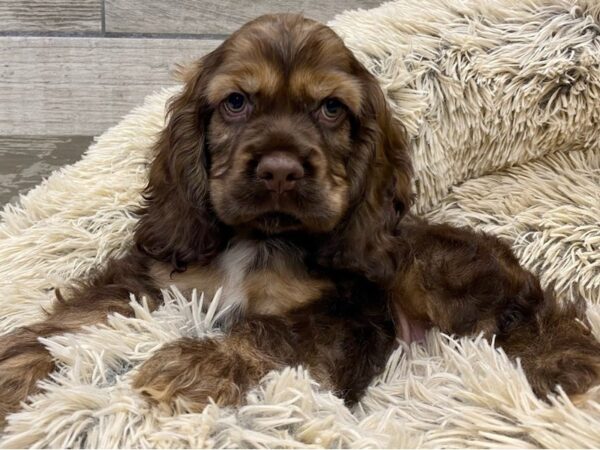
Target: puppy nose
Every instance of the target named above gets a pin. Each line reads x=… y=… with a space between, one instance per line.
x=279 y=171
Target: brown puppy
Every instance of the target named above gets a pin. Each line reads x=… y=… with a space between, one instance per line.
x=281 y=175
x=278 y=154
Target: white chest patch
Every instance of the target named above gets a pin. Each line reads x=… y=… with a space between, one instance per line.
x=255 y=278
x=234 y=264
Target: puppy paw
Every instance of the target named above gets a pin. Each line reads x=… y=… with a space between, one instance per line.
x=23 y=361
x=562 y=352
x=193 y=372
x=575 y=371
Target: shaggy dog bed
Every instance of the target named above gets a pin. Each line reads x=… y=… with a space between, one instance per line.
x=502 y=102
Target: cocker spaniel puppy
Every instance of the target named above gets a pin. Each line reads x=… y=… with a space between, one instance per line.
x=282 y=176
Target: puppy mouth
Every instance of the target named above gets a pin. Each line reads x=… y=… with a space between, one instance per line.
x=276 y=222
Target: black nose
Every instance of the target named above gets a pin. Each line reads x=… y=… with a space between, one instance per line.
x=279 y=171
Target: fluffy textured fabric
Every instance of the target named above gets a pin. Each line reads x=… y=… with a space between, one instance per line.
x=502 y=102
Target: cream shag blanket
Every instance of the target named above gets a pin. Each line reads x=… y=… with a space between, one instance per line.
x=502 y=101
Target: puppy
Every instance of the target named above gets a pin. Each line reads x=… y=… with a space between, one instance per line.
x=282 y=176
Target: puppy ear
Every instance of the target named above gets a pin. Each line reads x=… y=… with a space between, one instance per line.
x=364 y=242
x=177 y=224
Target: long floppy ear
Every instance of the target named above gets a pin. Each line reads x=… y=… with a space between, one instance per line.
x=177 y=223
x=381 y=172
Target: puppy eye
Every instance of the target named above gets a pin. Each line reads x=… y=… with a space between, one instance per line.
x=236 y=101
x=235 y=105
x=331 y=111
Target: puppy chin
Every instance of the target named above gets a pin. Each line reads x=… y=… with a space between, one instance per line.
x=276 y=223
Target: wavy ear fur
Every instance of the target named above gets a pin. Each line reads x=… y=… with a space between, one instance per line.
x=364 y=242
x=177 y=224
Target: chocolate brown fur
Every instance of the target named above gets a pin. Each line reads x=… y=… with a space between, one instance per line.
x=467 y=283
x=24 y=360
x=344 y=339
x=330 y=224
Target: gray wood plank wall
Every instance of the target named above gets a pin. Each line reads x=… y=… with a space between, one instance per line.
x=70 y=69
x=50 y=15
x=213 y=16
x=77 y=86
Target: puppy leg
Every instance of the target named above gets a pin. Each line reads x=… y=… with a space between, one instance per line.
x=557 y=349
x=343 y=347
x=24 y=360
x=221 y=368
x=466 y=283
x=462 y=281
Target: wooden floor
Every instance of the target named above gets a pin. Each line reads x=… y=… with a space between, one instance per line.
x=69 y=69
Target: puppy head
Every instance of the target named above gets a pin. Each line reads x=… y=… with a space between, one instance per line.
x=279 y=130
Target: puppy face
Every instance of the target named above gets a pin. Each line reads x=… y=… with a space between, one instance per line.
x=279 y=129
x=286 y=99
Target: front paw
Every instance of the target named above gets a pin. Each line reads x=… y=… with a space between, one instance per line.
x=23 y=361
x=194 y=372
